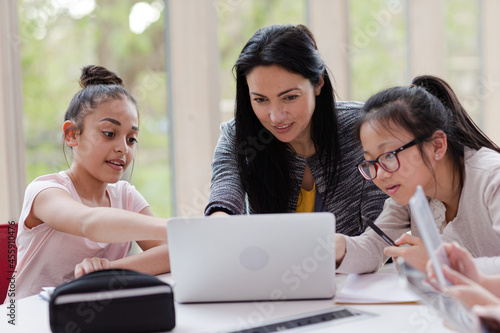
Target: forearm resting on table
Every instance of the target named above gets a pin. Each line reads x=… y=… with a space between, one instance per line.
x=152 y=261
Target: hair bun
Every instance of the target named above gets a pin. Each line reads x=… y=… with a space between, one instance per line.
x=94 y=75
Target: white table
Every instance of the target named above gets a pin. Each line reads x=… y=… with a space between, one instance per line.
x=32 y=315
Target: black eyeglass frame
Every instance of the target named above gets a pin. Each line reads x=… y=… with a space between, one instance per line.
x=375 y=162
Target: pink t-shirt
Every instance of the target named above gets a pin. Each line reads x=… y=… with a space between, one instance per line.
x=47 y=257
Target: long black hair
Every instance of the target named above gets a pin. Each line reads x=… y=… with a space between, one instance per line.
x=265 y=167
x=427 y=105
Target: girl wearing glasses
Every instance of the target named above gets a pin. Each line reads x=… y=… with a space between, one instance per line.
x=290 y=146
x=421 y=135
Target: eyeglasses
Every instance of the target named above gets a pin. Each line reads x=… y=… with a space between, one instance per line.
x=389 y=161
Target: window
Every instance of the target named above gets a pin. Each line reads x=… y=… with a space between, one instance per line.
x=58 y=38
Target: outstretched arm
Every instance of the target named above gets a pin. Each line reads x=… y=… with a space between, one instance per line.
x=60 y=211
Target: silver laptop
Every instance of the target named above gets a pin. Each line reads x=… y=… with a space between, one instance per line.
x=252 y=257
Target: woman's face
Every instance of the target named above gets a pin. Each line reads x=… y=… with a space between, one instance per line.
x=284 y=102
x=401 y=184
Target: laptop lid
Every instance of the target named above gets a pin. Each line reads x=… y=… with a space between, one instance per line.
x=452 y=310
x=456 y=313
x=252 y=257
x=427 y=227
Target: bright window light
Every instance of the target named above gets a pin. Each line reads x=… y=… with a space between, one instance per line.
x=142 y=16
x=76 y=8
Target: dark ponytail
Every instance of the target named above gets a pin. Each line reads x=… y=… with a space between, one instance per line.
x=426 y=106
x=463 y=127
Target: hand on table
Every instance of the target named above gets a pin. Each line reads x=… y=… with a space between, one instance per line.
x=90 y=265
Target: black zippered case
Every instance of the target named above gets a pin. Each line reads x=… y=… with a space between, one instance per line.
x=113 y=300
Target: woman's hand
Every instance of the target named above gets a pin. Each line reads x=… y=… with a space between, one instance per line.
x=462 y=262
x=90 y=265
x=415 y=255
x=219 y=213
x=467 y=290
x=340 y=249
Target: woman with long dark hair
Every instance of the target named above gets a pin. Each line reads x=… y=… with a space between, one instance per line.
x=290 y=146
x=421 y=135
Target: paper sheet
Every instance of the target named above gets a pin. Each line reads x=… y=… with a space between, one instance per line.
x=375 y=288
x=46 y=293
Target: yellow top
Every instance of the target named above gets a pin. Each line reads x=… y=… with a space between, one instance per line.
x=307 y=200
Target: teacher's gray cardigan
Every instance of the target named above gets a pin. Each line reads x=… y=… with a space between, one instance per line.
x=351 y=198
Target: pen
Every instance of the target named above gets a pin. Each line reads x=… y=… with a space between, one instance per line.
x=378 y=231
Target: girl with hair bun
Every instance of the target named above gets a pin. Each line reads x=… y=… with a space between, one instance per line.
x=84 y=219
x=421 y=135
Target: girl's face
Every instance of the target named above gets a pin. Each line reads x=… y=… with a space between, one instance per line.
x=401 y=184
x=284 y=102
x=106 y=146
